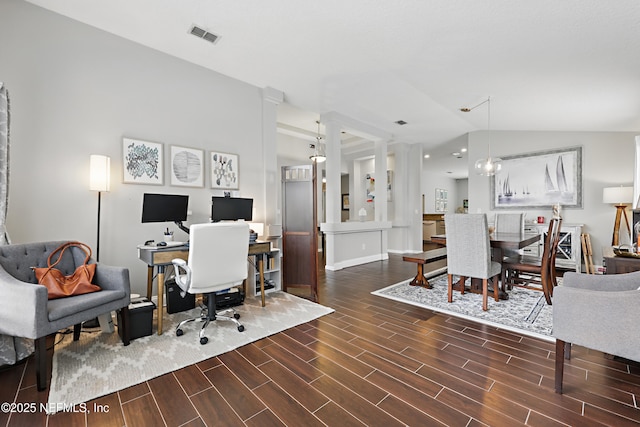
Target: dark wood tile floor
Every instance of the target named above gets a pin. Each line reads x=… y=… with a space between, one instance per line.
x=373 y=362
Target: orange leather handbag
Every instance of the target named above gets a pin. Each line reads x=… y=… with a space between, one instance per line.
x=59 y=285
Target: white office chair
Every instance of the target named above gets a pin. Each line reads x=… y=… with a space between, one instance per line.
x=217 y=261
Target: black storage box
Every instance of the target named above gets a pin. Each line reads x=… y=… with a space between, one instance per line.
x=175 y=302
x=140 y=318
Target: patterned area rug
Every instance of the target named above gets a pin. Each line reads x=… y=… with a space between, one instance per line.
x=525 y=312
x=98 y=364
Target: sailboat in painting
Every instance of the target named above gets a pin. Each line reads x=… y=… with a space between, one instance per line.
x=561 y=179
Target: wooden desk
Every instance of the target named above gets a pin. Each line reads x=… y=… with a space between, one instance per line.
x=619 y=264
x=161 y=257
x=499 y=242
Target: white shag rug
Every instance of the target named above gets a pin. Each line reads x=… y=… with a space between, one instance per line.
x=98 y=364
x=525 y=312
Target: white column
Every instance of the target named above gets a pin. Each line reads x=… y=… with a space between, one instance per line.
x=271 y=214
x=380 y=201
x=332 y=168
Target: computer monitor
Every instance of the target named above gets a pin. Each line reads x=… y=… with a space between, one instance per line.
x=164 y=208
x=231 y=209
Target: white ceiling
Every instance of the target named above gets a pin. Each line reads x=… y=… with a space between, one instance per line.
x=547 y=64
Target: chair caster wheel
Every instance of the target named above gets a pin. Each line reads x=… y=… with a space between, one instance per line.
x=179 y=332
x=236 y=316
x=204 y=340
x=240 y=328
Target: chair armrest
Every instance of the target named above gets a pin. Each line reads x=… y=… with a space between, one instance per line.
x=602 y=282
x=604 y=321
x=113 y=278
x=23 y=307
x=182 y=280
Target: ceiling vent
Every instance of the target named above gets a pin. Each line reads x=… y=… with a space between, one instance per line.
x=204 y=34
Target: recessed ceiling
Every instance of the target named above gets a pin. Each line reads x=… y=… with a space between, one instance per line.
x=568 y=65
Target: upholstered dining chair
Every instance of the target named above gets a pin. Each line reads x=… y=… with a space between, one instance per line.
x=535 y=273
x=599 y=312
x=217 y=262
x=509 y=222
x=26 y=311
x=469 y=253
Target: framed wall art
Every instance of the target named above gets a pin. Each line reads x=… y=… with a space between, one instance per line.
x=441 y=199
x=187 y=167
x=539 y=180
x=224 y=171
x=345 y=202
x=142 y=162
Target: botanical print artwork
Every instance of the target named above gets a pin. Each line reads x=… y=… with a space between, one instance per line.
x=187 y=167
x=224 y=170
x=142 y=162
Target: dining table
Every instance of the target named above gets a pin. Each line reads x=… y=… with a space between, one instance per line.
x=499 y=242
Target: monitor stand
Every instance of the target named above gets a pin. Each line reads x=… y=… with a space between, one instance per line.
x=182 y=227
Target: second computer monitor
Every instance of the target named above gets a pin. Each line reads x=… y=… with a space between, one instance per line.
x=231 y=209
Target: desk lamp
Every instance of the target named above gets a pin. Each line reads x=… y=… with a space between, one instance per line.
x=619 y=197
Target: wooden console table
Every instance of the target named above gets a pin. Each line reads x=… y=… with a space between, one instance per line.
x=619 y=264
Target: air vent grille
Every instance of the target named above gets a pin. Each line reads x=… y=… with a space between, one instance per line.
x=204 y=34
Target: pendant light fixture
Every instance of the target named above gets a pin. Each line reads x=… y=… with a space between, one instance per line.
x=490 y=165
x=318 y=155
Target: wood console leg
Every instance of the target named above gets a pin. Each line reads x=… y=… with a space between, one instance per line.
x=261 y=270
x=160 y=297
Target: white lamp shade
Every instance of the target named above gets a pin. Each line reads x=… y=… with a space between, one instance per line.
x=617 y=195
x=99 y=173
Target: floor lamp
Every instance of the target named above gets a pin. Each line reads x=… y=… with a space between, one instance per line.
x=619 y=197
x=99 y=180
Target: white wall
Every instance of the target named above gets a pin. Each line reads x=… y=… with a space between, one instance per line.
x=76 y=91
x=433 y=180
x=607 y=160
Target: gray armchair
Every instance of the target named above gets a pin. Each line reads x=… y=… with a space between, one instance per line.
x=25 y=310
x=598 y=312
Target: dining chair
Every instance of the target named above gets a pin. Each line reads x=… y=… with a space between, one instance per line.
x=535 y=273
x=469 y=253
x=509 y=223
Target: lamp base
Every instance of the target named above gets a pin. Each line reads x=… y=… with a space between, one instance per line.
x=621 y=210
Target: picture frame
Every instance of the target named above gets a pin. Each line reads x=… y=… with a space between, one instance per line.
x=441 y=199
x=345 y=202
x=539 y=180
x=225 y=170
x=143 y=162
x=187 y=167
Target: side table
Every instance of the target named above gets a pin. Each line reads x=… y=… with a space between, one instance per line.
x=619 y=264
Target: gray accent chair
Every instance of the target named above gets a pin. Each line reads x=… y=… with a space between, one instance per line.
x=469 y=253
x=25 y=310
x=599 y=312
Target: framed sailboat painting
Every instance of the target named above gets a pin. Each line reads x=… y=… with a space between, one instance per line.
x=539 y=180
